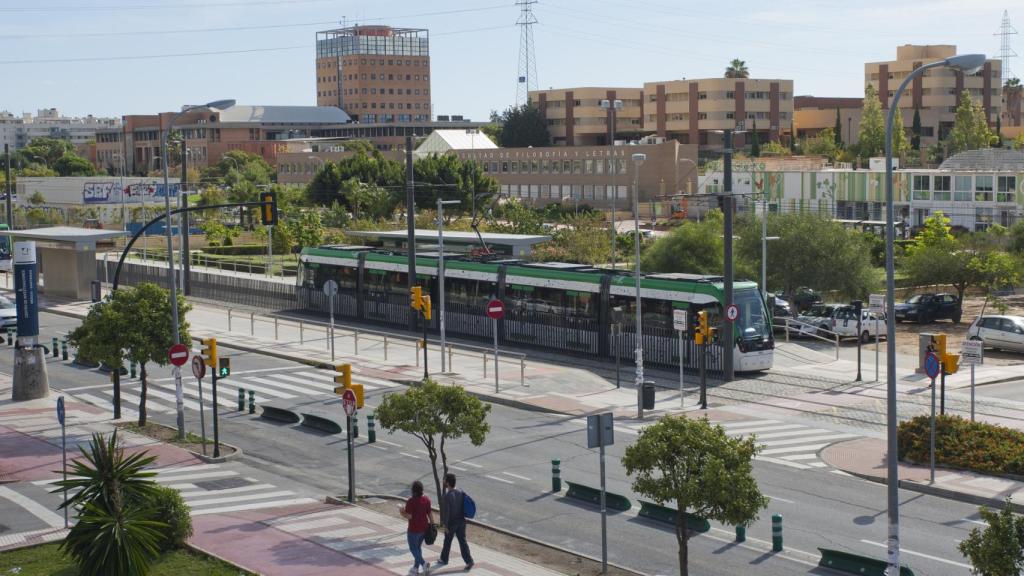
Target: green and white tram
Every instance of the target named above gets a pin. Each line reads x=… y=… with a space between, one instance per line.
x=554 y=306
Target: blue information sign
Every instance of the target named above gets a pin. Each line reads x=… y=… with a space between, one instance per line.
x=26 y=280
x=60 y=410
x=932 y=366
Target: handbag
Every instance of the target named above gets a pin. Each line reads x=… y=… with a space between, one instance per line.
x=431 y=534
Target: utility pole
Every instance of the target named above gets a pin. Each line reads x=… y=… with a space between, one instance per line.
x=410 y=218
x=440 y=277
x=10 y=186
x=727 y=338
x=183 y=220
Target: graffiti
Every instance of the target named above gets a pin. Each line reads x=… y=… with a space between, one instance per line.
x=113 y=193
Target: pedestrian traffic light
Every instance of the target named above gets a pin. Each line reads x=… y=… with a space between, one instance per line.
x=426 y=307
x=345 y=378
x=268 y=210
x=951 y=363
x=416 y=300
x=702 y=323
x=223 y=367
x=209 y=352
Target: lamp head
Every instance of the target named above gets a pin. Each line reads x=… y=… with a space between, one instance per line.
x=639 y=159
x=966 y=63
x=221 y=104
x=606 y=104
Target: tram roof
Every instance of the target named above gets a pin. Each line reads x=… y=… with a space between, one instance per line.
x=454 y=236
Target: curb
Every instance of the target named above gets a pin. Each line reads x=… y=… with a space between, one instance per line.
x=208 y=459
x=510 y=533
x=201 y=550
x=941 y=492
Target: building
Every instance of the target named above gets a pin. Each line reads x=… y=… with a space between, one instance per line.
x=18 y=131
x=812 y=114
x=936 y=92
x=598 y=176
x=376 y=74
x=444 y=141
x=575 y=117
x=134 y=147
x=299 y=160
x=1011 y=109
x=690 y=111
x=106 y=199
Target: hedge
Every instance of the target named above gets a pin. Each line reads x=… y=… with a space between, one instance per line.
x=237 y=250
x=960 y=443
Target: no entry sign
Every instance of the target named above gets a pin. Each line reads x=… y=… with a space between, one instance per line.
x=348 y=401
x=496 y=309
x=178 y=354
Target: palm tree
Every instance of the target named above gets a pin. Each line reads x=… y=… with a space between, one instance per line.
x=1012 y=83
x=737 y=69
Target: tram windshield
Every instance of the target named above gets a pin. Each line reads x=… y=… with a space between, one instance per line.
x=752 y=322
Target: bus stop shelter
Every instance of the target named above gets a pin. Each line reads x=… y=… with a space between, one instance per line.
x=66 y=256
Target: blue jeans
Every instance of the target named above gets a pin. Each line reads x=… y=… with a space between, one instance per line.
x=416 y=547
x=457 y=530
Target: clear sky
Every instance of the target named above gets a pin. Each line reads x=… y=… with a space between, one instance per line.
x=115 y=57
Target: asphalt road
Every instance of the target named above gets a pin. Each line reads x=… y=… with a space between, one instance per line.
x=510 y=478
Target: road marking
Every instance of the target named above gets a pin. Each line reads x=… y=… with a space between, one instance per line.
x=407 y=455
x=517 y=476
x=179 y=469
x=424 y=452
x=801 y=448
x=471 y=464
x=790 y=441
x=203 y=501
x=796 y=465
x=801 y=457
x=257 y=505
x=262 y=390
x=498 y=479
x=33 y=507
x=90 y=387
x=759 y=429
x=793 y=433
x=730 y=425
x=233 y=372
x=777 y=499
x=454 y=467
x=928 y=556
x=199 y=492
x=379 y=447
x=978 y=522
x=216 y=474
x=277 y=383
x=306 y=381
x=390 y=443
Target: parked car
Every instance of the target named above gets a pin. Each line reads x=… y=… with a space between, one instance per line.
x=844 y=323
x=816 y=321
x=802 y=299
x=999 y=332
x=781 y=307
x=8 y=312
x=925 y=308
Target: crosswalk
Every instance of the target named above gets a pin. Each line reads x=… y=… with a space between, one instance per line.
x=217 y=489
x=788 y=444
x=274 y=384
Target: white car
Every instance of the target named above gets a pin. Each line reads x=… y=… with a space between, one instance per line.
x=8 y=312
x=844 y=323
x=816 y=321
x=999 y=332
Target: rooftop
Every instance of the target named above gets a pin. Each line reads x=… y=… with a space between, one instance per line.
x=986 y=159
x=457 y=237
x=284 y=115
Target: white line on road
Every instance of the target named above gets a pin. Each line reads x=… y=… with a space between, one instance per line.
x=33 y=507
x=777 y=499
x=407 y=455
x=518 y=476
x=928 y=556
x=389 y=443
x=255 y=506
x=471 y=464
x=379 y=447
x=498 y=479
x=424 y=452
x=974 y=521
x=233 y=373
x=454 y=467
x=89 y=387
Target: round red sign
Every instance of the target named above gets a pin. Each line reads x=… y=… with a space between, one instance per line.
x=178 y=354
x=495 y=309
x=348 y=401
x=732 y=313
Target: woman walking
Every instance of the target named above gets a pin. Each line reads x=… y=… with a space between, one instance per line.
x=417 y=511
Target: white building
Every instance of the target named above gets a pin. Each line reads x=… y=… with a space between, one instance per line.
x=18 y=131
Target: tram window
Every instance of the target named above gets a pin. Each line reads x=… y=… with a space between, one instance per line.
x=580 y=303
x=535 y=299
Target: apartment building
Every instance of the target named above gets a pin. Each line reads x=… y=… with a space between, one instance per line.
x=134 y=147
x=376 y=74
x=812 y=114
x=936 y=92
x=18 y=131
x=575 y=116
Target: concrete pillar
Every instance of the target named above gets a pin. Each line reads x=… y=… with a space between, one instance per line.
x=30 y=379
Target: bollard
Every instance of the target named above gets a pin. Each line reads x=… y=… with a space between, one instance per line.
x=252 y=401
x=131 y=369
x=776 y=532
x=741 y=533
x=355 y=425
x=252 y=323
x=56 y=351
x=386 y=348
x=64 y=348
x=556 y=475
x=450 y=369
x=229 y=319
x=485 y=364
x=371 y=432
x=355 y=339
x=522 y=370
x=275 y=328
x=10 y=337
x=241 y=399
x=302 y=332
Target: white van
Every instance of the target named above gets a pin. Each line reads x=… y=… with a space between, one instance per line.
x=872 y=324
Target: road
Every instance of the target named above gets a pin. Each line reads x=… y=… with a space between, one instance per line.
x=510 y=477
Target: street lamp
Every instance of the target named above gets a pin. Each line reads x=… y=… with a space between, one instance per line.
x=729 y=340
x=613 y=106
x=440 y=273
x=218 y=104
x=638 y=333
x=968 y=64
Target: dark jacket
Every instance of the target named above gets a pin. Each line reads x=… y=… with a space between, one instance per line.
x=453 y=514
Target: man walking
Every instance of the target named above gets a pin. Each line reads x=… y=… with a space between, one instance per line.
x=454 y=519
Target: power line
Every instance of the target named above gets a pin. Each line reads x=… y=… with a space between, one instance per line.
x=118 y=7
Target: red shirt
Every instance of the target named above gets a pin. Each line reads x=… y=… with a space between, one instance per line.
x=418 y=509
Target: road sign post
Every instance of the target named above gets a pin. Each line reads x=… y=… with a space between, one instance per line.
x=600 y=433
x=495 y=311
x=348 y=402
x=679 y=323
x=876 y=305
x=178 y=355
x=972 y=353
x=64 y=453
x=199 y=370
x=932 y=368
x=331 y=290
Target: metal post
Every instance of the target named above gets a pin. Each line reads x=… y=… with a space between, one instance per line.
x=385 y=347
x=371 y=430
x=972 y=392
x=355 y=341
x=728 y=338
x=764 y=244
x=241 y=398
x=556 y=475
x=522 y=370
x=604 y=513
x=877 y=338
x=450 y=351
x=682 y=404
x=302 y=332
x=942 y=388
x=252 y=401
x=638 y=160
x=10 y=186
x=426 y=373
x=229 y=319
x=202 y=415
x=275 y=328
x=252 y=323
x=270 y=251
x=351 y=463
x=776 y=532
x=410 y=218
x=702 y=352
x=64 y=464
x=485 y=363
x=330 y=299
x=216 y=413
x=175 y=325
x=931 y=440
x=859 y=341
x=495 y=324
x=186 y=258
x=618 y=357
x=440 y=279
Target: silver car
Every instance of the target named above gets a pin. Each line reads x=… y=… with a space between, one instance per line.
x=999 y=332
x=8 y=312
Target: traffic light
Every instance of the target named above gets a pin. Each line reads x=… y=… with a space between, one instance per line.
x=268 y=210
x=345 y=378
x=223 y=367
x=951 y=363
x=416 y=298
x=357 y=389
x=209 y=352
x=702 y=323
x=426 y=307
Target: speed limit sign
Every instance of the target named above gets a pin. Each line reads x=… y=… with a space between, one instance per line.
x=732 y=313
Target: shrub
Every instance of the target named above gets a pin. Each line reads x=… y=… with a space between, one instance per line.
x=960 y=443
x=170 y=508
x=238 y=249
x=998 y=550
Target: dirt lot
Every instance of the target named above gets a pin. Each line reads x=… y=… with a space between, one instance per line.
x=907 y=332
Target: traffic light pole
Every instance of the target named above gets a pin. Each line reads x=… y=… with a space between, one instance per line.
x=728 y=340
x=216 y=429
x=426 y=374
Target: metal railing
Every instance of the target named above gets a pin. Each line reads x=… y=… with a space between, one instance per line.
x=372 y=338
x=815 y=332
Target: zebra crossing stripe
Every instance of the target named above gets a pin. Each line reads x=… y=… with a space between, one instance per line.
x=199 y=476
x=759 y=429
x=191 y=405
x=192 y=391
x=269 y=382
x=789 y=433
x=150 y=405
x=802 y=448
x=180 y=469
x=307 y=382
x=212 y=497
x=197 y=492
x=253 y=506
x=330 y=378
x=806 y=439
x=259 y=389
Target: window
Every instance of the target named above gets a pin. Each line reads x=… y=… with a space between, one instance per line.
x=922 y=186
x=982 y=188
x=982 y=218
x=730 y=115
x=730 y=95
x=963 y=189
x=702 y=95
x=588 y=166
x=941 y=186
x=1007 y=185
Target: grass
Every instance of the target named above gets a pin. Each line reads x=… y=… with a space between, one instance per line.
x=161 y=432
x=48 y=560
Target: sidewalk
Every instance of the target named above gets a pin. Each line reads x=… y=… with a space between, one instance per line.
x=866 y=458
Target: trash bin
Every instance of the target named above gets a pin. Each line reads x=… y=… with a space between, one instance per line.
x=648 y=395
x=96 y=296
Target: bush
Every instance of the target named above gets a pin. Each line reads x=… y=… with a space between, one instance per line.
x=960 y=443
x=238 y=250
x=998 y=550
x=170 y=508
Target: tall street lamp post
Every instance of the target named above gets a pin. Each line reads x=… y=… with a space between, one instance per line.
x=440 y=275
x=967 y=63
x=219 y=104
x=638 y=332
x=613 y=106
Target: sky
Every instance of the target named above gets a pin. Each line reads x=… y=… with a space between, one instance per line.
x=117 y=57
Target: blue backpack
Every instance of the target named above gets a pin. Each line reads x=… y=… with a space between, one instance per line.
x=468 y=506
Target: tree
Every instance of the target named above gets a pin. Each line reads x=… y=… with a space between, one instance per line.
x=970 y=126
x=871 y=137
x=436 y=414
x=693 y=247
x=998 y=136
x=838 y=130
x=366 y=166
x=449 y=178
x=1018 y=142
x=737 y=69
x=824 y=144
x=523 y=126
x=307 y=230
x=915 y=130
x=74 y=165
x=584 y=239
x=775 y=149
x=755 y=144
x=115 y=532
x=517 y=218
x=998 y=550
x=700 y=469
x=368 y=200
x=100 y=338
x=900 y=143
